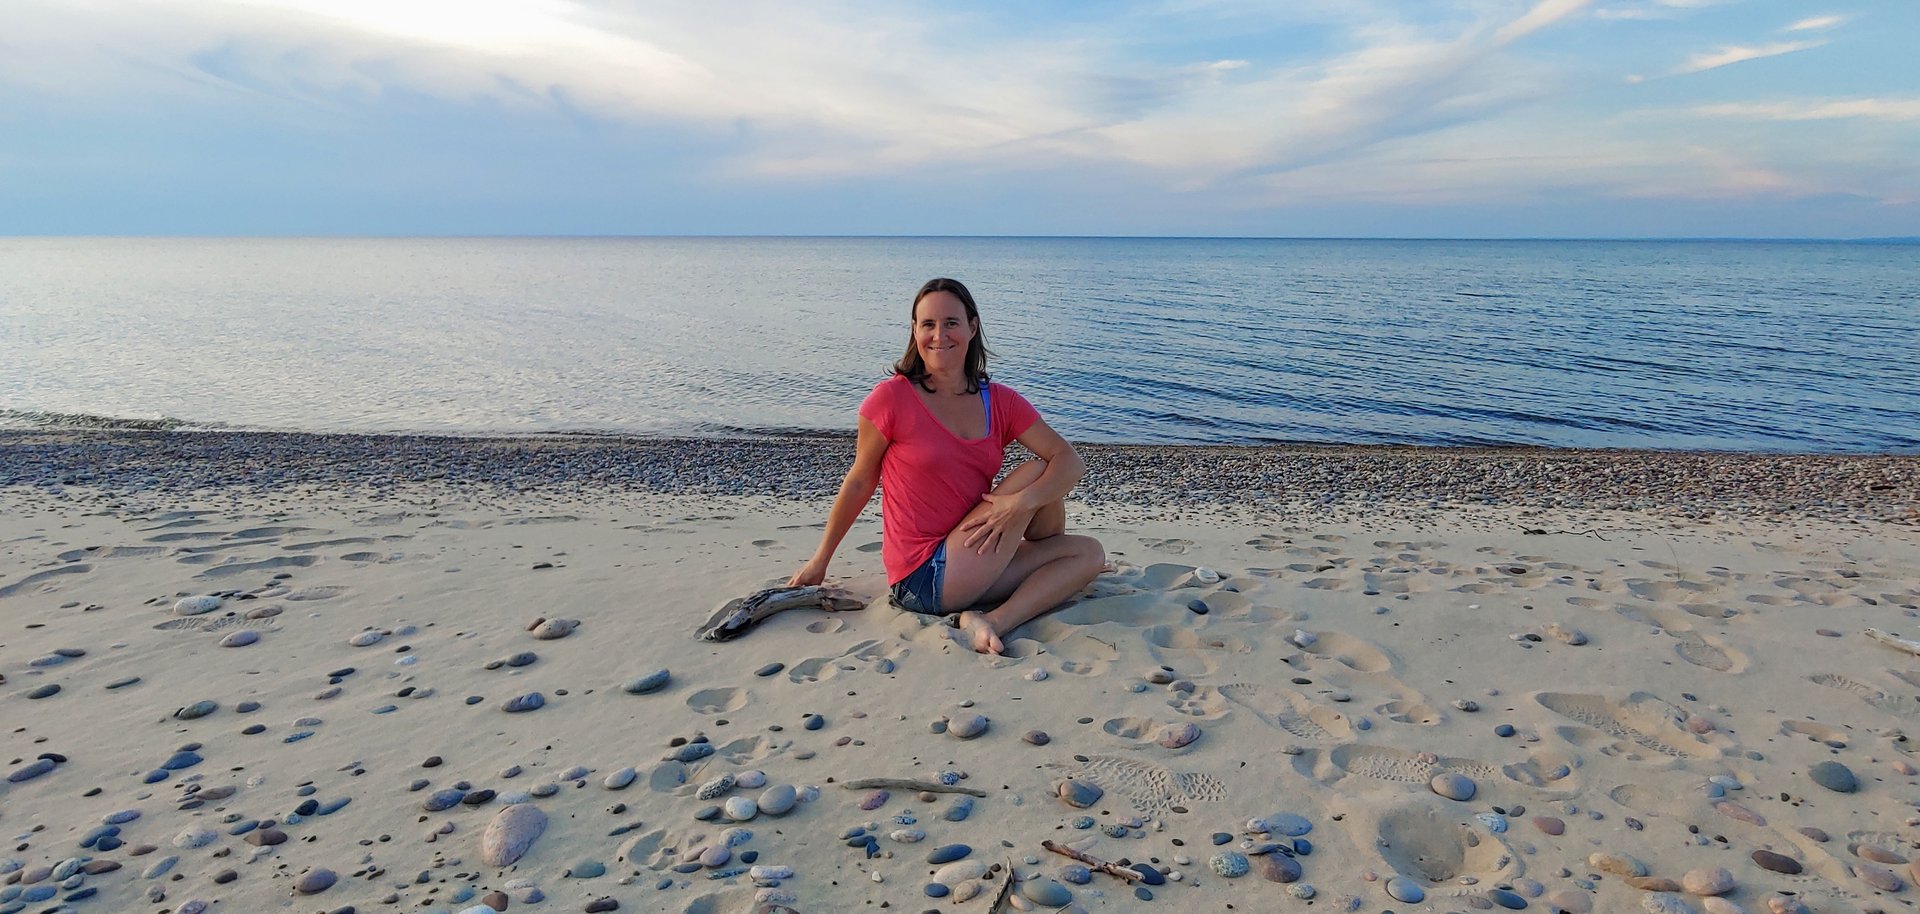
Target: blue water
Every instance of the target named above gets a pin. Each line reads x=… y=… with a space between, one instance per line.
x=1769 y=346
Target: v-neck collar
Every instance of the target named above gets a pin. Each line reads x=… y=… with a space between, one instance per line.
x=943 y=426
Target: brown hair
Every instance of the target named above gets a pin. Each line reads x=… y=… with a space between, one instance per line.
x=915 y=369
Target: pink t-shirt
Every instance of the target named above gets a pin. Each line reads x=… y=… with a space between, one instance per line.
x=929 y=477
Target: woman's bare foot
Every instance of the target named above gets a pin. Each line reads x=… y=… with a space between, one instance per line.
x=985 y=639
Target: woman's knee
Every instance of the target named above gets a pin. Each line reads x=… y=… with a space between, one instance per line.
x=1089 y=554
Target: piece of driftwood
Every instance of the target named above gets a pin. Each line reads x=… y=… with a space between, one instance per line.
x=733 y=619
x=1894 y=641
x=1110 y=869
x=1006 y=890
x=905 y=784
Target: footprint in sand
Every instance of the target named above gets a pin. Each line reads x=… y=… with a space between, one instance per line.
x=1643 y=720
x=284 y=561
x=1815 y=731
x=216 y=624
x=332 y=543
x=1547 y=771
x=1666 y=591
x=307 y=594
x=1137 y=731
x=1205 y=702
x=111 y=552
x=258 y=533
x=820 y=669
x=1708 y=653
x=1897 y=705
x=718 y=701
x=43 y=581
x=1149 y=787
x=1174 y=546
x=1080 y=654
x=1289 y=711
x=1356 y=654
x=827 y=626
x=1410 y=712
x=1267 y=542
x=1428 y=841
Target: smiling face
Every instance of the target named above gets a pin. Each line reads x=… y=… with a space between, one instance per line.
x=942 y=332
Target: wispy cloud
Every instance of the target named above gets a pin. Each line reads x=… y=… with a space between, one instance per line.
x=1729 y=55
x=1898 y=110
x=1815 y=24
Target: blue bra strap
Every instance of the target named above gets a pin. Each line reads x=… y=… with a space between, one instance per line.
x=987 y=405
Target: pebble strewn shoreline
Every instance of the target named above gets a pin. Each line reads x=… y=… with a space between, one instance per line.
x=1852 y=487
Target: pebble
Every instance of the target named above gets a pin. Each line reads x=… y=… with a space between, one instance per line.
x=1037 y=737
x=740 y=809
x=1879 y=877
x=1075 y=873
x=947 y=853
x=958 y=810
x=1229 y=864
x=1287 y=824
x=1077 y=793
x=1707 y=881
x=532 y=701
x=194 y=606
x=770 y=669
x=315 y=881
x=31 y=770
x=1178 y=736
x=197 y=710
x=714 y=789
x=651 y=682
x=1405 y=890
x=601 y=905
x=1278 y=868
x=1665 y=903
x=967 y=726
x=1507 y=899
x=1503 y=730
x=1616 y=864
x=511 y=833
x=551 y=629
x=1454 y=786
x=1046 y=893
x=1834 y=776
x=241 y=638
x=367 y=638
x=622 y=777
x=813 y=722
x=1778 y=863
x=1550 y=825
x=777 y=800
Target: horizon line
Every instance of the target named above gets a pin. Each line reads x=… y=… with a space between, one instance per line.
x=291 y=236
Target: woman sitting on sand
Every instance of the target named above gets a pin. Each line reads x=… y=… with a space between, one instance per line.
x=935 y=434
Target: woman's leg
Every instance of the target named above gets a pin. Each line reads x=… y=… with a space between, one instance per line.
x=1042 y=575
x=1034 y=569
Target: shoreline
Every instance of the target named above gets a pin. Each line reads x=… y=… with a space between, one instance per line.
x=1882 y=487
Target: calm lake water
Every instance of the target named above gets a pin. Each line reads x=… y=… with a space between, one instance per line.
x=1769 y=346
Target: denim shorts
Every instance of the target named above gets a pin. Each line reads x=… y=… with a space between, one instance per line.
x=920 y=591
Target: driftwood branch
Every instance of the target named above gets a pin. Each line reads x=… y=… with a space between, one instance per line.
x=905 y=784
x=736 y=616
x=1542 y=531
x=1006 y=890
x=1110 y=869
x=1894 y=641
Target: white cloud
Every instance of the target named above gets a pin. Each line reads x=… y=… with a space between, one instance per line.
x=1815 y=24
x=1732 y=54
x=1898 y=110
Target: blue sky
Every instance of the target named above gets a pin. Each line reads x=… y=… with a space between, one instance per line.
x=1404 y=118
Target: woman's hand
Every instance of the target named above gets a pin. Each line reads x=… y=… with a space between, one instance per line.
x=813 y=572
x=986 y=529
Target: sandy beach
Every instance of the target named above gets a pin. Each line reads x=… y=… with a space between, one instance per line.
x=260 y=672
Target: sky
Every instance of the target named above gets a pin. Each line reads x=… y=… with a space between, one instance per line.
x=1324 y=118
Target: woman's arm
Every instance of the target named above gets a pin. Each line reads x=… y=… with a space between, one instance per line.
x=1064 y=470
x=855 y=491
